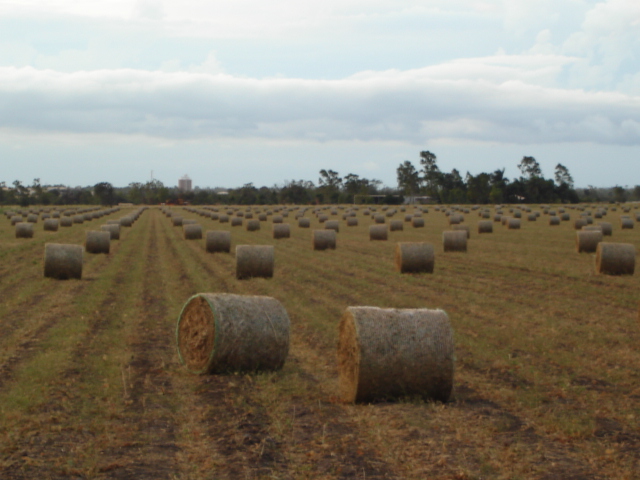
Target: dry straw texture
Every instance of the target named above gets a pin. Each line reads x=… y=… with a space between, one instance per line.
x=254 y=261
x=378 y=232
x=607 y=228
x=396 y=225
x=332 y=225
x=485 y=226
x=304 y=222
x=615 y=258
x=236 y=221
x=417 y=222
x=390 y=353
x=62 y=261
x=192 y=231
x=414 y=257
x=513 y=224
x=454 y=241
x=324 y=239
x=51 y=225
x=587 y=240
x=97 y=241
x=553 y=220
x=218 y=333
x=24 y=230
x=253 y=225
x=281 y=230
x=352 y=222
x=463 y=227
x=114 y=231
x=218 y=241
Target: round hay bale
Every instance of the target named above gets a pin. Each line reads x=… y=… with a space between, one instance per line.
x=78 y=219
x=497 y=218
x=417 y=222
x=607 y=228
x=62 y=261
x=579 y=223
x=221 y=332
x=626 y=223
x=51 y=225
x=262 y=217
x=236 y=221
x=223 y=218
x=114 y=231
x=532 y=217
x=513 y=224
x=24 y=230
x=254 y=261
x=324 y=239
x=615 y=258
x=463 y=227
x=323 y=218
x=332 y=225
x=32 y=218
x=281 y=230
x=378 y=232
x=277 y=219
x=414 y=257
x=253 y=225
x=390 y=353
x=565 y=217
x=454 y=240
x=128 y=221
x=66 y=221
x=304 y=222
x=378 y=218
x=396 y=225
x=192 y=231
x=553 y=221
x=587 y=240
x=188 y=221
x=352 y=222
x=485 y=226
x=218 y=241
x=97 y=241
x=16 y=219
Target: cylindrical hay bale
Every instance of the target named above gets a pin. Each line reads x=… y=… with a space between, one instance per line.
x=78 y=219
x=223 y=218
x=513 y=224
x=417 y=222
x=32 y=218
x=414 y=257
x=378 y=232
x=579 y=223
x=587 y=240
x=114 y=231
x=188 y=221
x=16 y=219
x=323 y=218
x=454 y=240
x=379 y=218
x=324 y=239
x=192 y=231
x=332 y=225
x=236 y=221
x=62 y=261
x=219 y=333
x=97 y=241
x=615 y=258
x=277 y=219
x=565 y=217
x=396 y=225
x=532 y=217
x=626 y=223
x=455 y=219
x=304 y=222
x=281 y=230
x=607 y=228
x=497 y=217
x=176 y=220
x=390 y=353
x=485 y=226
x=253 y=225
x=254 y=261
x=24 y=230
x=66 y=221
x=463 y=227
x=218 y=241
x=51 y=225
x=352 y=222
x=553 y=221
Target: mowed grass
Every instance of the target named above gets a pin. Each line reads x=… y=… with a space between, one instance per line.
x=546 y=374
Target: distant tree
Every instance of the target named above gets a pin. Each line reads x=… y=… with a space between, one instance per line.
x=636 y=192
x=530 y=168
x=408 y=178
x=431 y=172
x=105 y=193
x=619 y=194
x=479 y=188
x=330 y=185
x=562 y=176
x=297 y=192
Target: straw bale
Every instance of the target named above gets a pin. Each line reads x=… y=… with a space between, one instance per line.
x=396 y=225
x=32 y=218
x=253 y=225
x=114 y=231
x=352 y=222
x=587 y=240
x=532 y=217
x=277 y=219
x=218 y=241
x=485 y=226
x=66 y=221
x=378 y=232
x=236 y=221
x=414 y=257
x=463 y=227
x=222 y=333
x=417 y=222
x=223 y=218
x=626 y=223
x=607 y=228
x=97 y=241
x=304 y=222
x=332 y=225
x=128 y=220
x=615 y=258
x=254 y=261
x=497 y=217
x=454 y=240
x=24 y=230
x=391 y=353
x=62 y=261
x=16 y=219
x=262 y=217
x=281 y=230
x=579 y=223
x=51 y=225
x=78 y=219
x=553 y=220
x=513 y=224
x=324 y=239
x=192 y=231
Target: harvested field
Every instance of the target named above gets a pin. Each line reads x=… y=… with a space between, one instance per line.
x=546 y=382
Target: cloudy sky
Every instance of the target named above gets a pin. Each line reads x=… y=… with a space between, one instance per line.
x=232 y=92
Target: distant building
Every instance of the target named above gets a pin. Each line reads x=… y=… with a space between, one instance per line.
x=184 y=184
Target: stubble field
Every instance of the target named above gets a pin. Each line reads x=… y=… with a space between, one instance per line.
x=547 y=358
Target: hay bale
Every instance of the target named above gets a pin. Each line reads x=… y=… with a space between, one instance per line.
x=626 y=223
x=51 y=225
x=281 y=230
x=553 y=221
x=324 y=239
x=513 y=224
x=253 y=225
x=221 y=333
x=304 y=222
x=587 y=240
x=78 y=219
x=396 y=225
x=97 y=241
x=378 y=218
x=32 y=218
x=223 y=218
x=497 y=218
x=24 y=230
x=607 y=228
x=417 y=222
x=532 y=217
x=615 y=258
x=378 y=232
x=463 y=227
x=414 y=257
x=114 y=231
x=277 y=219
x=192 y=231
x=254 y=261
x=352 y=222
x=218 y=241
x=332 y=225
x=236 y=221
x=454 y=240
x=485 y=226
x=455 y=219
x=16 y=219
x=66 y=221
x=579 y=223
x=128 y=220
x=62 y=261
x=390 y=353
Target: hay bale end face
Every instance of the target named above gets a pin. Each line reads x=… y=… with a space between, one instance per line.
x=218 y=241
x=304 y=222
x=218 y=333
x=24 y=230
x=485 y=226
x=254 y=261
x=62 y=261
x=615 y=258
x=587 y=240
x=454 y=241
x=51 y=225
x=281 y=230
x=391 y=353
x=396 y=225
x=414 y=257
x=97 y=241
x=253 y=225
x=324 y=239
x=378 y=232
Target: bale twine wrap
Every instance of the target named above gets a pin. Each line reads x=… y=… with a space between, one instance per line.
x=324 y=239
x=221 y=332
x=97 y=241
x=192 y=231
x=587 y=240
x=114 y=231
x=417 y=222
x=615 y=258
x=332 y=225
x=51 y=225
x=607 y=228
x=254 y=261
x=378 y=232
x=513 y=224
x=414 y=257
x=463 y=227
x=62 y=261
x=218 y=241
x=485 y=226
x=24 y=230
x=454 y=240
x=281 y=230
x=352 y=222
x=390 y=353
x=626 y=223
x=304 y=222
x=396 y=225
